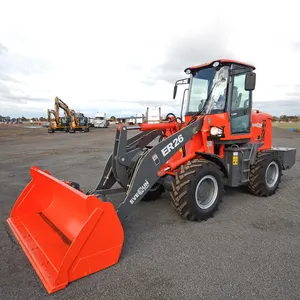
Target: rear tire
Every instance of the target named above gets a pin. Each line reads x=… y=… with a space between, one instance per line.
x=186 y=190
x=265 y=175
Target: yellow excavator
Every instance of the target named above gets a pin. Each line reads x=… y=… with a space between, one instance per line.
x=59 y=124
x=73 y=121
x=58 y=103
x=78 y=122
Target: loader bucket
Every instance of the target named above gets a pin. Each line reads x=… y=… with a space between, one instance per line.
x=64 y=233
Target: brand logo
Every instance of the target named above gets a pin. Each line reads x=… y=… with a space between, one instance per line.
x=258 y=125
x=140 y=191
x=155 y=159
x=172 y=145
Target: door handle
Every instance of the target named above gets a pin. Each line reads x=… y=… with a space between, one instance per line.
x=233 y=114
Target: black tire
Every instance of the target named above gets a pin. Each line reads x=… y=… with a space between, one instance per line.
x=154 y=194
x=75 y=185
x=258 y=185
x=183 y=196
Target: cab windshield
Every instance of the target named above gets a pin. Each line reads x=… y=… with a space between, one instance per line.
x=208 y=90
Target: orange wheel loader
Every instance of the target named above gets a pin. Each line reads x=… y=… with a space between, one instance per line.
x=68 y=234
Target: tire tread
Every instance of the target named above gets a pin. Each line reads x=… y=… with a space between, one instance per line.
x=181 y=186
x=256 y=184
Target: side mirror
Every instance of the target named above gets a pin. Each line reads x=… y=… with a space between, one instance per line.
x=250 y=81
x=180 y=81
x=175 y=91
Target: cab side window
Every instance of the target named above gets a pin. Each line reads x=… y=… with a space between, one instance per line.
x=240 y=97
x=240 y=106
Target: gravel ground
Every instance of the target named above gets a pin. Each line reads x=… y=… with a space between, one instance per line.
x=249 y=250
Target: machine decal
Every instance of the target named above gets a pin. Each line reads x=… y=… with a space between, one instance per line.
x=140 y=191
x=209 y=145
x=172 y=145
x=155 y=159
x=235 y=158
x=258 y=125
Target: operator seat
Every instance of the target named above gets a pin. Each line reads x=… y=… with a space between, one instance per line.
x=235 y=99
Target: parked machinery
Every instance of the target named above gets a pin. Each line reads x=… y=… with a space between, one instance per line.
x=101 y=120
x=78 y=122
x=60 y=123
x=72 y=121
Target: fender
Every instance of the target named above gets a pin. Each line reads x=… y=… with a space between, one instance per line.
x=215 y=159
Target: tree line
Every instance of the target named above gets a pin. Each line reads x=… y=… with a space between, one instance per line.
x=24 y=119
x=41 y=119
x=285 y=118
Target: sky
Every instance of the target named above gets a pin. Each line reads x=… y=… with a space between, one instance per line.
x=121 y=56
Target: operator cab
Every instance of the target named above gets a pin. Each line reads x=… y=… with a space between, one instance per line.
x=221 y=86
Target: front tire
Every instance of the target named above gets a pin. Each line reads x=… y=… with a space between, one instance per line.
x=265 y=175
x=154 y=194
x=197 y=190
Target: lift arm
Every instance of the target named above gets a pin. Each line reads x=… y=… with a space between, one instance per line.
x=148 y=163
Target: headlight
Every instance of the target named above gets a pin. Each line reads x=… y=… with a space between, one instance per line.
x=215 y=131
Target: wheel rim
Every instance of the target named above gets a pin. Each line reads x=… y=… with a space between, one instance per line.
x=272 y=174
x=206 y=192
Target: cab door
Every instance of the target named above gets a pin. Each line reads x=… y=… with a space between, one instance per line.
x=240 y=106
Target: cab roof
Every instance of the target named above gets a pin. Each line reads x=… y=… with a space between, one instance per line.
x=223 y=61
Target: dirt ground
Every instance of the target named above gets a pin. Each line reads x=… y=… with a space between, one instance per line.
x=249 y=250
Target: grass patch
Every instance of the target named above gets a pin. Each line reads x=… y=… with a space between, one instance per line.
x=287 y=125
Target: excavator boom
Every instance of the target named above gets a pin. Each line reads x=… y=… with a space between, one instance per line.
x=60 y=104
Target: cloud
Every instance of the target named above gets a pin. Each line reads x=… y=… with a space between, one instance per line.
x=14 y=99
x=5 y=77
x=294 y=91
x=278 y=107
x=188 y=51
x=127 y=59
x=16 y=63
x=3 y=49
x=297 y=46
x=4 y=90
